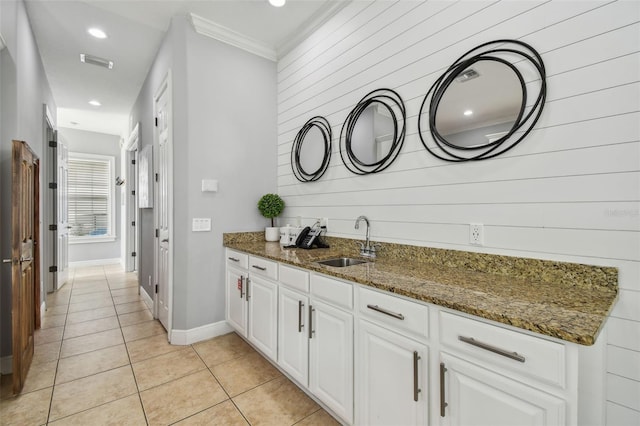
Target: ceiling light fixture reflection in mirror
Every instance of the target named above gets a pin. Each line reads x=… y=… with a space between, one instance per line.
x=373 y=133
x=486 y=103
x=311 y=150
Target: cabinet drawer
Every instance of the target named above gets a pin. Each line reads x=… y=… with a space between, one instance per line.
x=337 y=292
x=507 y=349
x=396 y=312
x=237 y=259
x=267 y=268
x=294 y=278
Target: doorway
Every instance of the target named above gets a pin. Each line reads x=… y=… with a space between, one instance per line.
x=130 y=201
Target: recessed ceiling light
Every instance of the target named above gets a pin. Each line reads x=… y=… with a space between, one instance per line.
x=97 y=33
x=468 y=112
x=94 y=103
x=277 y=3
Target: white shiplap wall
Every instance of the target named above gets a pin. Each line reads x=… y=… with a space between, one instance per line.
x=569 y=192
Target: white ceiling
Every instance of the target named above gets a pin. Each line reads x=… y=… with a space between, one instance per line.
x=135 y=29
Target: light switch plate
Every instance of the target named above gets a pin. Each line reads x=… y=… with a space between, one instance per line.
x=201 y=224
x=209 y=185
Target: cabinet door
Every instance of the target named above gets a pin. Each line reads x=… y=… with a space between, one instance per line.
x=391 y=378
x=476 y=396
x=263 y=315
x=331 y=358
x=293 y=343
x=236 y=300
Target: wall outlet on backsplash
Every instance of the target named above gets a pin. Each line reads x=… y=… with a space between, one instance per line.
x=476 y=234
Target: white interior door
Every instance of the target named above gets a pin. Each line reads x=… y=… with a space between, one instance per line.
x=164 y=203
x=62 y=215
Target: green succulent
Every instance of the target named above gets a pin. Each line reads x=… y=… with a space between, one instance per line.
x=270 y=206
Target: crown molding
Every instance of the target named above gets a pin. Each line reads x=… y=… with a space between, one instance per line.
x=328 y=11
x=221 y=33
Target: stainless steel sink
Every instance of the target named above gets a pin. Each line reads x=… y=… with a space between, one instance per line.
x=341 y=262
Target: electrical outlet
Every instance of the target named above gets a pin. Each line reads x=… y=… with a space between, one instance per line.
x=476 y=234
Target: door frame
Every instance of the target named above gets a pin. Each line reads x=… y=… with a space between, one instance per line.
x=164 y=86
x=49 y=238
x=130 y=206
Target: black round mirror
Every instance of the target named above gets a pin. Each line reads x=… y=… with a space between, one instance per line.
x=373 y=133
x=311 y=150
x=478 y=108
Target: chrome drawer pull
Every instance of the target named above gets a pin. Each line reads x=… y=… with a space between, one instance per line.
x=443 y=403
x=261 y=268
x=384 y=311
x=234 y=259
x=513 y=355
x=300 y=325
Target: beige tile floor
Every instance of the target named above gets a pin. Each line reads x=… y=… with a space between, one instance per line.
x=101 y=358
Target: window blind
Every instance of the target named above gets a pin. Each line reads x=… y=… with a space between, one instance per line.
x=89 y=183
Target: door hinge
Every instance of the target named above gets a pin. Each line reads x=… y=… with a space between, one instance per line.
x=133 y=254
x=133 y=192
x=133 y=161
x=133 y=223
x=53 y=144
x=156 y=177
x=156 y=233
x=53 y=269
x=156 y=121
x=53 y=185
x=156 y=288
x=53 y=227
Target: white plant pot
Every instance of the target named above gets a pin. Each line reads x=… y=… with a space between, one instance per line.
x=272 y=233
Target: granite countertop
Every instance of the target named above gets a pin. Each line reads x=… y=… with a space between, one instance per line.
x=571 y=306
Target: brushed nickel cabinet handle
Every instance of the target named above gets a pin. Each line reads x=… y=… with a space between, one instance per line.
x=300 y=325
x=443 y=404
x=311 y=321
x=416 y=390
x=235 y=259
x=246 y=292
x=386 y=312
x=513 y=355
x=241 y=286
x=261 y=268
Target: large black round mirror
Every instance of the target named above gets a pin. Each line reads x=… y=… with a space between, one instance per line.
x=485 y=103
x=311 y=150
x=373 y=133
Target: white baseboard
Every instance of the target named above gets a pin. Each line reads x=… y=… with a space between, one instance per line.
x=148 y=300
x=6 y=364
x=95 y=262
x=209 y=331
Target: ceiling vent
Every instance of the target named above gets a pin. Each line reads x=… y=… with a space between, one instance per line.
x=469 y=74
x=94 y=60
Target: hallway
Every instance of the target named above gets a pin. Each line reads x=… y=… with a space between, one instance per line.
x=101 y=358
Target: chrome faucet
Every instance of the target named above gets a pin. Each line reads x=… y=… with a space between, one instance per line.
x=366 y=248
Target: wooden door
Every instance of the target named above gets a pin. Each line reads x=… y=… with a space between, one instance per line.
x=25 y=271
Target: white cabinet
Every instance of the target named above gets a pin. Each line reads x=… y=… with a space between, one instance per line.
x=293 y=340
x=391 y=378
x=263 y=315
x=331 y=357
x=236 y=300
x=252 y=301
x=476 y=396
x=490 y=375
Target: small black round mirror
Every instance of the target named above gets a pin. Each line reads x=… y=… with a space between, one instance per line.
x=311 y=150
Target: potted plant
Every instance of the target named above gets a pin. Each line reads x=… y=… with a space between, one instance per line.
x=270 y=206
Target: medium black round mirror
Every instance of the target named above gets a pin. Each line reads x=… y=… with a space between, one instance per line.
x=373 y=133
x=311 y=150
x=479 y=108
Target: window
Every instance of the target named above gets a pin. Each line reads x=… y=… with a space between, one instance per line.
x=91 y=199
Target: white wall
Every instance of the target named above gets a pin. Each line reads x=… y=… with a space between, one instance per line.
x=224 y=128
x=569 y=192
x=82 y=141
x=24 y=90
